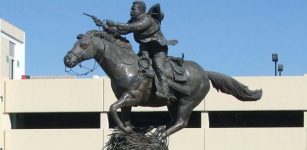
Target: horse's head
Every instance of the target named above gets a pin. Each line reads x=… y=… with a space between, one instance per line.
x=83 y=50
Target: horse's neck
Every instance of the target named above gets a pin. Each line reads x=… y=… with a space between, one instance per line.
x=109 y=59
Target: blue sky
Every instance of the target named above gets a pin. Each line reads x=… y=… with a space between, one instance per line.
x=234 y=37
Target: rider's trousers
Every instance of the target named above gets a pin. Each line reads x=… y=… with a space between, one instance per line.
x=158 y=54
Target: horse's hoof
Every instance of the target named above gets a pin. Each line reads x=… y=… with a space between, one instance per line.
x=162 y=136
x=128 y=129
x=159 y=130
x=128 y=124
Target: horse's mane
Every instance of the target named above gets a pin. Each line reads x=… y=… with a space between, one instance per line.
x=125 y=47
x=115 y=39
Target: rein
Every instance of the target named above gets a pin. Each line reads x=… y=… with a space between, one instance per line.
x=89 y=70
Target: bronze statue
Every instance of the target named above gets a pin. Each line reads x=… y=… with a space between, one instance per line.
x=146 y=28
x=133 y=83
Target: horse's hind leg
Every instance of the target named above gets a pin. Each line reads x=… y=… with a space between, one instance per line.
x=172 y=109
x=183 y=116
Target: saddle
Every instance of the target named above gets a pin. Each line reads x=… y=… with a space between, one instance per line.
x=178 y=69
x=176 y=73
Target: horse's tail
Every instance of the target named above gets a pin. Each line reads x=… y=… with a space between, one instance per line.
x=229 y=85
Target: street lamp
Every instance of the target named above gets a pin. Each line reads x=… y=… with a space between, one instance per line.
x=275 y=60
x=280 y=68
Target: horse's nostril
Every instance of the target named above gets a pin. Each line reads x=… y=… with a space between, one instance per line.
x=67 y=59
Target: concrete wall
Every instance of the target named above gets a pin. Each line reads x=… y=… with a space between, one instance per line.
x=54 y=95
x=95 y=95
x=279 y=93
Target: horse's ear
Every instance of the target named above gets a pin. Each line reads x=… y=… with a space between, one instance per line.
x=80 y=36
x=98 y=34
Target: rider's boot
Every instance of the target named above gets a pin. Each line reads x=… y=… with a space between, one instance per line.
x=159 y=65
x=164 y=91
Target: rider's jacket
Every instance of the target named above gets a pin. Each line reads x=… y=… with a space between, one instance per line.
x=145 y=29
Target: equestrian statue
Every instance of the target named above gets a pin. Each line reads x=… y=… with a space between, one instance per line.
x=149 y=78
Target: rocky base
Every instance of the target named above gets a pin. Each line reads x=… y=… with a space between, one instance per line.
x=138 y=140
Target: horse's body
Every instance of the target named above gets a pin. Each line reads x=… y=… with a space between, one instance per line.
x=132 y=89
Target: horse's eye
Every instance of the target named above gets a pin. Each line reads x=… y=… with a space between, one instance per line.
x=83 y=45
x=80 y=36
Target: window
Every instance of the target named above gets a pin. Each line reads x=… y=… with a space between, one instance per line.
x=145 y=119
x=11 y=68
x=55 y=120
x=12 y=49
x=252 y=119
x=11 y=59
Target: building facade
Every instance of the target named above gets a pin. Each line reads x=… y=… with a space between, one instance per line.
x=12 y=44
x=66 y=114
x=12 y=62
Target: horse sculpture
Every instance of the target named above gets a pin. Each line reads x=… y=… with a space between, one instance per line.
x=122 y=65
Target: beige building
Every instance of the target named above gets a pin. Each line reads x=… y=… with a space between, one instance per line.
x=72 y=114
x=12 y=44
x=12 y=62
x=36 y=112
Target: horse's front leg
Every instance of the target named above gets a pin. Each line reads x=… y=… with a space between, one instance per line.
x=125 y=100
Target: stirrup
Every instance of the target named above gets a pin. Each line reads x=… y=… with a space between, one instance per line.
x=162 y=95
x=169 y=96
x=172 y=97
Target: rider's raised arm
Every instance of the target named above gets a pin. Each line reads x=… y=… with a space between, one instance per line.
x=138 y=25
x=123 y=32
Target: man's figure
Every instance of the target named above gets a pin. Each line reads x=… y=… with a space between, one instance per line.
x=153 y=44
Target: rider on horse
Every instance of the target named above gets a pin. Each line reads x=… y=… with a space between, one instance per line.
x=146 y=30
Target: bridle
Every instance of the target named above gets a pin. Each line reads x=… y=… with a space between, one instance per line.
x=89 y=70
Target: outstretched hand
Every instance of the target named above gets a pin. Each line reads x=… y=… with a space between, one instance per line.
x=108 y=28
x=98 y=22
